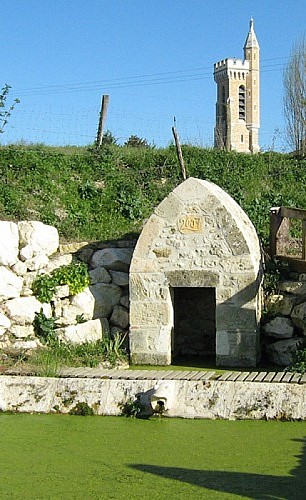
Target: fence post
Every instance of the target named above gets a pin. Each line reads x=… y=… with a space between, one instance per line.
x=179 y=152
x=275 y=222
x=102 y=118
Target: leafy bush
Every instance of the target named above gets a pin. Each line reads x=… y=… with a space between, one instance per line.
x=44 y=328
x=298 y=361
x=75 y=275
x=275 y=271
x=81 y=408
x=132 y=408
x=137 y=142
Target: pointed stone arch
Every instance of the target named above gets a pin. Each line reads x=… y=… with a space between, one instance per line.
x=197 y=238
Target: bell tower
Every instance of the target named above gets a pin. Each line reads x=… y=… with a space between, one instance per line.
x=237 y=107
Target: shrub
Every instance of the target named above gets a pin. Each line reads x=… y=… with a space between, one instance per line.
x=132 y=408
x=81 y=408
x=44 y=328
x=137 y=142
x=75 y=275
x=298 y=361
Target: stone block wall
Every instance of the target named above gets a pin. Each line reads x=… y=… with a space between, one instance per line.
x=197 y=237
x=284 y=329
x=29 y=248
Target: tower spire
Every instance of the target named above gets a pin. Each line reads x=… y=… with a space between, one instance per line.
x=251 y=40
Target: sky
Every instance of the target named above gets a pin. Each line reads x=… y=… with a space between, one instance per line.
x=153 y=58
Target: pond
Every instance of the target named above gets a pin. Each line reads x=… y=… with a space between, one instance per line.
x=75 y=457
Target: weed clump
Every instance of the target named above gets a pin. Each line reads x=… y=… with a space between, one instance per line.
x=82 y=409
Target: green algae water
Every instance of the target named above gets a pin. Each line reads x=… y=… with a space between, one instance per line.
x=71 y=457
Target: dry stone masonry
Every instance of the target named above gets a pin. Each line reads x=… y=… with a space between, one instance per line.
x=193 y=288
x=284 y=330
x=29 y=248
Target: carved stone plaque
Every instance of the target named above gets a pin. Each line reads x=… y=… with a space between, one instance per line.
x=190 y=224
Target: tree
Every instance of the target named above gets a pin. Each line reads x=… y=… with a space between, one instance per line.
x=295 y=98
x=137 y=142
x=5 y=110
x=108 y=138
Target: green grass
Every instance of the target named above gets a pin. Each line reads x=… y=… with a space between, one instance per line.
x=70 y=457
x=106 y=194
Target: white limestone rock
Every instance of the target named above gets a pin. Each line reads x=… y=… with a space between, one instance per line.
x=281 y=352
x=22 y=332
x=119 y=278
x=9 y=243
x=84 y=301
x=120 y=317
x=20 y=268
x=90 y=331
x=117 y=259
x=279 y=327
x=27 y=284
x=22 y=310
x=38 y=237
x=26 y=345
x=26 y=253
x=99 y=275
x=4 y=324
x=37 y=262
x=57 y=261
x=11 y=285
x=61 y=292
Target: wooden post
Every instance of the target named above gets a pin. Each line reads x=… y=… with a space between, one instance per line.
x=103 y=111
x=275 y=222
x=179 y=152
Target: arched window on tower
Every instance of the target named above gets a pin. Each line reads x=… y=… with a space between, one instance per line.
x=242 y=102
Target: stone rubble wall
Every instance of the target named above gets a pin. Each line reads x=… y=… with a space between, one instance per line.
x=190 y=399
x=29 y=248
x=285 y=327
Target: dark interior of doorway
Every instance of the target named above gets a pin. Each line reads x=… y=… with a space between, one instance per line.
x=194 y=324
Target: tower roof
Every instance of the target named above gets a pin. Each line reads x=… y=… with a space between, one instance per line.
x=251 y=40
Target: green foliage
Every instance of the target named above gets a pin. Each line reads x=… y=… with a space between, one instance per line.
x=132 y=408
x=44 y=328
x=81 y=408
x=75 y=275
x=137 y=142
x=113 y=347
x=298 y=361
x=5 y=109
x=108 y=138
x=58 y=353
x=45 y=363
x=275 y=271
x=44 y=287
x=104 y=193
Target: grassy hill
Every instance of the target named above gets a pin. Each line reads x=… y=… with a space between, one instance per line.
x=91 y=194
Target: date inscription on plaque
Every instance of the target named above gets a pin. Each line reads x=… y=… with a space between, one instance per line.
x=190 y=224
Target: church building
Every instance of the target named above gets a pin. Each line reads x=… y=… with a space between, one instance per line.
x=238 y=106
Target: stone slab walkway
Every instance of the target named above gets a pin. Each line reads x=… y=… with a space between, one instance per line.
x=193 y=375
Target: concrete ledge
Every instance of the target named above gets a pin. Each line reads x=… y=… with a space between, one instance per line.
x=211 y=399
